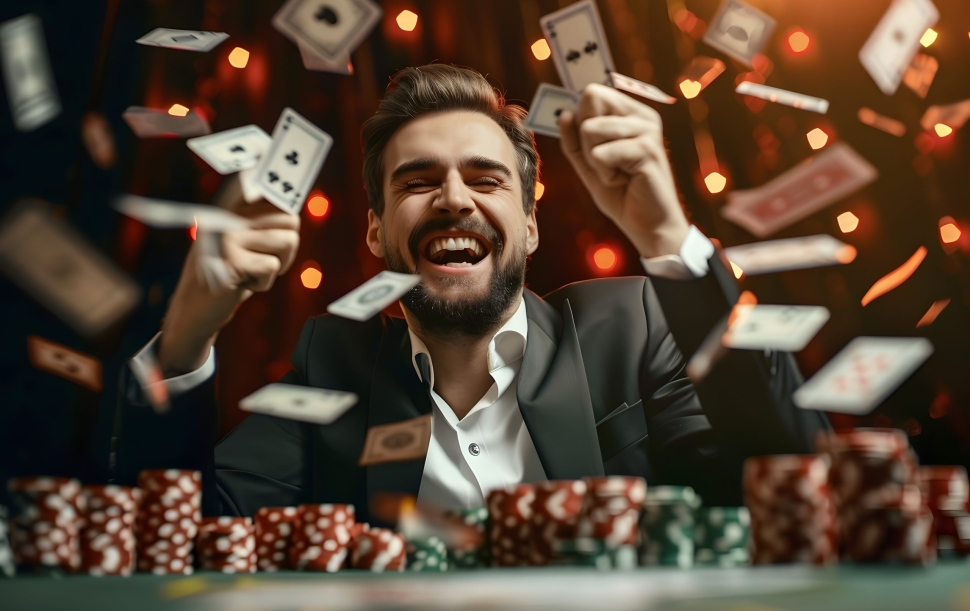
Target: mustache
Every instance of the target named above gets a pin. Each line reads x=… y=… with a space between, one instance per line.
x=467 y=223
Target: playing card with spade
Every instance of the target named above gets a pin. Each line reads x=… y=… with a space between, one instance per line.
x=547 y=104
x=579 y=47
x=316 y=405
x=331 y=29
x=232 y=150
x=293 y=161
x=739 y=30
x=184 y=40
x=62 y=361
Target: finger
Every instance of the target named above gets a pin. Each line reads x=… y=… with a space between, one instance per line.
x=571 y=145
x=614 y=162
x=264 y=215
x=599 y=100
x=598 y=130
x=258 y=271
x=281 y=243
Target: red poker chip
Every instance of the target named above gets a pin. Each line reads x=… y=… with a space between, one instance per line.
x=378 y=550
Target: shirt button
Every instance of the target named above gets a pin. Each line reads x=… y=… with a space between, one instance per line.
x=473 y=449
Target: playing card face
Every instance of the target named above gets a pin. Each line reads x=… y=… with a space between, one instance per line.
x=920 y=74
x=293 y=161
x=739 y=30
x=547 y=105
x=863 y=374
x=58 y=268
x=374 y=295
x=316 y=405
x=62 y=361
x=396 y=442
x=186 y=40
x=154 y=123
x=314 y=62
x=579 y=48
x=644 y=90
x=232 y=150
x=882 y=122
x=773 y=327
x=780 y=96
x=330 y=29
x=791 y=253
x=168 y=215
x=803 y=190
x=891 y=46
x=27 y=73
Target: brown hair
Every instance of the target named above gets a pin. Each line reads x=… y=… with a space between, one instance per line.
x=437 y=88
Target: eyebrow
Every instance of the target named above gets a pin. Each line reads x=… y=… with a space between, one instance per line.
x=477 y=162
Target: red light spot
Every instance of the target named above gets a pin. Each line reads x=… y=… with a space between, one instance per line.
x=318 y=205
x=798 y=41
x=194 y=229
x=604 y=258
x=311 y=276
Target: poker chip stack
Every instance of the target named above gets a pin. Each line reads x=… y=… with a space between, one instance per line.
x=510 y=513
x=227 y=545
x=274 y=536
x=378 y=550
x=45 y=532
x=7 y=567
x=721 y=536
x=555 y=517
x=667 y=526
x=168 y=521
x=874 y=483
x=108 y=533
x=427 y=555
x=792 y=516
x=611 y=510
x=321 y=537
x=471 y=556
x=945 y=490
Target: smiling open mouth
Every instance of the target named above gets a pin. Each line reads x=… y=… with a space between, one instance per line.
x=458 y=251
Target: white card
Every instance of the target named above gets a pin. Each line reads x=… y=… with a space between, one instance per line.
x=773 y=327
x=644 y=90
x=155 y=123
x=232 y=150
x=316 y=405
x=312 y=61
x=890 y=48
x=781 y=96
x=292 y=164
x=27 y=76
x=863 y=374
x=332 y=29
x=739 y=30
x=548 y=103
x=247 y=181
x=791 y=253
x=167 y=214
x=374 y=295
x=185 y=40
x=579 y=47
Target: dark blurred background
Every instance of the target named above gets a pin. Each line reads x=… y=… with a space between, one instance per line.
x=51 y=426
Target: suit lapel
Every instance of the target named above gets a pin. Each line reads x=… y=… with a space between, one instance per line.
x=554 y=396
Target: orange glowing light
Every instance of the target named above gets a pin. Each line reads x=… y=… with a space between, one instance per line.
x=896 y=277
x=311 y=276
x=318 y=205
x=846 y=254
x=177 y=110
x=738 y=272
x=928 y=37
x=540 y=189
x=933 y=312
x=715 y=182
x=817 y=138
x=604 y=258
x=407 y=20
x=798 y=41
x=943 y=130
x=848 y=222
x=949 y=233
x=239 y=57
x=690 y=88
x=194 y=229
x=541 y=50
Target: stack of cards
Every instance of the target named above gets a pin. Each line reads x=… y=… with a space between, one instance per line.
x=327 y=33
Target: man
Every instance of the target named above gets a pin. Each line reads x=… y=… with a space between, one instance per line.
x=588 y=381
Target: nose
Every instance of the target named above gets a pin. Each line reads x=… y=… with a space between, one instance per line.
x=454 y=197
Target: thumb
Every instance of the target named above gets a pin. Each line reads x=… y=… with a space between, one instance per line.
x=571 y=146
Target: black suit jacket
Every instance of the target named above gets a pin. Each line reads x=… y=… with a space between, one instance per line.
x=602 y=389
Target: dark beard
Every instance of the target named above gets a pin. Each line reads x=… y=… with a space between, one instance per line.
x=475 y=317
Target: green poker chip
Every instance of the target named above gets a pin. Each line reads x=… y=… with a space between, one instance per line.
x=721 y=536
x=667 y=526
x=471 y=557
x=427 y=555
x=594 y=553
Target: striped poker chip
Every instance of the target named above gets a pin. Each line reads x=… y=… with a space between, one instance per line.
x=611 y=510
x=378 y=550
x=510 y=515
x=44 y=530
x=667 y=526
x=7 y=566
x=471 y=556
x=427 y=555
x=321 y=536
x=274 y=536
x=168 y=521
x=108 y=530
x=227 y=545
x=721 y=536
x=555 y=517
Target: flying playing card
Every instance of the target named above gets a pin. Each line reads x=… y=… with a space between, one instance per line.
x=773 y=327
x=312 y=61
x=698 y=74
x=303 y=403
x=548 y=103
x=62 y=361
x=396 y=442
x=739 y=30
x=374 y=295
x=780 y=96
x=57 y=267
x=954 y=115
x=882 y=122
x=232 y=150
x=155 y=123
x=803 y=190
x=292 y=164
x=167 y=215
x=791 y=253
x=579 y=47
x=863 y=374
x=27 y=73
x=891 y=46
x=185 y=40
x=644 y=90
x=330 y=29
x=920 y=74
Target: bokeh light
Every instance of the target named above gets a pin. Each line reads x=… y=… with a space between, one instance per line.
x=848 y=222
x=604 y=258
x=541 y=50
x=311 y=276
x=690 y=88
x=239 y=57
x=715 y=182
x=817 y=138
x=798 y=41
x=942 y=130
x=177 y=110
x=928 y=37
x=738 y=272
x=317 y=204
x=949 y=232
x=407 y=20
x=540 y=190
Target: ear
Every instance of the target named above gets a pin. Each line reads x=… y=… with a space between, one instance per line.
x=375 y=235
x=532 y=232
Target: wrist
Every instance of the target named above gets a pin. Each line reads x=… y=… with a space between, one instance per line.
x=660 y=240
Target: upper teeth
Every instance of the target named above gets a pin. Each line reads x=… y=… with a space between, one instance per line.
x=439 y=244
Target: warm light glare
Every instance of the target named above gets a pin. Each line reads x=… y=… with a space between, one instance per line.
x=604 y=258
x=194 y=229
x=239 y=57
x=848 y=222
x=896 y=277
x=817 y=138
x=177 y=110
x=540 y=189
x=541 y=50
x=318 y=205
x=715 y=182
x=311 y=277
x=943 y=130
x=928 y=37
x=738 y=272
x=690 y=88
x=798 y=41
x=407 y=21
x=949 y=233
x=932 y=313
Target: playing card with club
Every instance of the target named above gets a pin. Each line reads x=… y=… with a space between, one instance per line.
x=882 y=122
x=155 y=123
x=891 y=46
x=579 y=47
x=773 y=327
x=331 y=29
x=739 y=30
x=396 y=442
x=548 y=103
x=780 y=96
x=291 y=165
x=232 y=150
x=374 y=295
x=27 y=75
x=312 y=61
x=56 y=266
x=863 y=374
x=791 y=253
x=801 y=191
x=185 y=40
x=62 y=361
x=165 y=214
x=304 y=403
x=644 y=90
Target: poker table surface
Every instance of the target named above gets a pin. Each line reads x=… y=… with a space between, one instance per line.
x=791 y=588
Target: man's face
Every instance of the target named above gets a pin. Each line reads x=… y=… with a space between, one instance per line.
x=453 y=214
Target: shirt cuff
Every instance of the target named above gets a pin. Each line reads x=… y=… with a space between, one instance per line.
x=181 y=384
x=689 y=264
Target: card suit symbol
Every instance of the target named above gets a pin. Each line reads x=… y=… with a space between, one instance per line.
x=376 y=293
x=558 y=112
x=237 y=149
x=292 y=157
x=273 y=177
x=573 y=56
x=69 y=365
x=287 y=187
x=326 y=13
x=590 y=48
x=299 y=402
x=737 y=33
x=185 y=38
